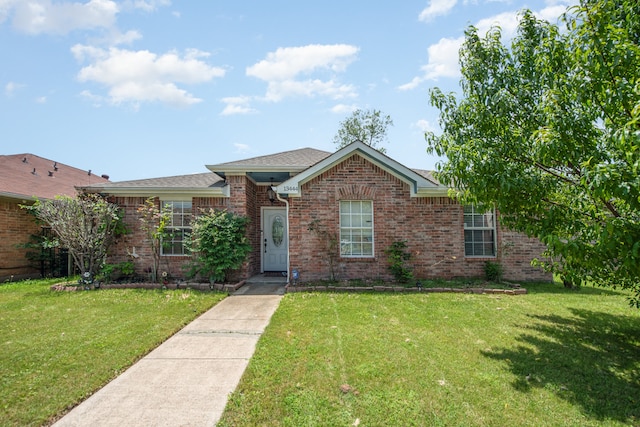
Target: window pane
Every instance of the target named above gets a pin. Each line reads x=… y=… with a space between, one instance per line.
x=479 y=233
x=178 y=229
x=488 y=248
x=356 y=228
x=468 y=248
x=367 y=249
x=468 y=221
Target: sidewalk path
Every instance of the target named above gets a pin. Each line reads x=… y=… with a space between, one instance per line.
x=186 y=381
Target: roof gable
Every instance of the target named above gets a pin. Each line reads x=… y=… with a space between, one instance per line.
x=28 y=176
x=419 y=185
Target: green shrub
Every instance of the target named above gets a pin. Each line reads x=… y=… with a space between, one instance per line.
x=397 y=256
x=112 y=272
x=218 y=243
x=493 y=271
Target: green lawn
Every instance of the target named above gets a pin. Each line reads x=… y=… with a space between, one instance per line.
x=554 y=357
x=56 y=348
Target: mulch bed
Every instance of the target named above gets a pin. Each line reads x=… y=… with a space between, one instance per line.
x=303 y=288
x=226 y=287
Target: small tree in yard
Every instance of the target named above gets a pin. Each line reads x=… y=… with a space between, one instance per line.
x=154 y=222
x=218 y=243
x=85 y=225
x=368 y=126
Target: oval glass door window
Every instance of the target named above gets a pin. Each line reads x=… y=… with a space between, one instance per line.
x=277 y=230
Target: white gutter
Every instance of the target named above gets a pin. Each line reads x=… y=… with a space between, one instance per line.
x=286 y=203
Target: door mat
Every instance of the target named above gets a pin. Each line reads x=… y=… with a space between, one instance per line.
x=275 y=274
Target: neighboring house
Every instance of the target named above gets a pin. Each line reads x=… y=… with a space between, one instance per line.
x=359 y=198
x=23 y=179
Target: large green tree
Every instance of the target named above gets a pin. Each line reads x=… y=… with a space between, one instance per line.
x=548 y=131
x=368 y=126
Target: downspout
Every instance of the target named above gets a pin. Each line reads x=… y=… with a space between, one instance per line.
x=286 y=203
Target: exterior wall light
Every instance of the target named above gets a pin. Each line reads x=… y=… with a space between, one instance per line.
x=271 y=193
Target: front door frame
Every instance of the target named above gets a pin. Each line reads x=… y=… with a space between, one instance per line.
x=264 y=235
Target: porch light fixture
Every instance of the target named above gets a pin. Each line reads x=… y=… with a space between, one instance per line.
x=271 y=193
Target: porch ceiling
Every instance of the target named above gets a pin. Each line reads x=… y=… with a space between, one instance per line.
x=265 y=176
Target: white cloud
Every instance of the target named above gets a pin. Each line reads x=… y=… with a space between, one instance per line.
x=41 y=100
x=443 y=62
x=242 y=148
x=96 y=100
x=11 y=88
x=143 y=76
x=117 y=38
x=424 y=126
x=443 y=55
x=237 y=105
x=6 y=6
x=286 y=63
x=343 y=108
x=282 y=69
x=551 y=13
x=507 y=21
x=436 y=8
x=277 y=90
x=146 y=5
x=44 y=16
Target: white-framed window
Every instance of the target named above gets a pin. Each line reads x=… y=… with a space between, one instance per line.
x=356 y=228
x=479 y=233
x=178 y=229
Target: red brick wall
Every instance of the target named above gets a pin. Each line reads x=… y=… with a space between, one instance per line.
x=16 y=227
x=246 y=198
x=432 y=228
x=136 y=238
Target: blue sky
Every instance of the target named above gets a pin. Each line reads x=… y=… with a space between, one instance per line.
x=148 y=88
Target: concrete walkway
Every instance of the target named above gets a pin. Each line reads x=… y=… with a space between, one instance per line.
x=186 y=381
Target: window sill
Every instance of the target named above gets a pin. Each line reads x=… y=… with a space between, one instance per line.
x=358 y=259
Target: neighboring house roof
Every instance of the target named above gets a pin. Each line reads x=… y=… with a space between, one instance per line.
x=27 y=176
x=205 y=184
x=277 y=167
x=428 y=174
x=420 y=184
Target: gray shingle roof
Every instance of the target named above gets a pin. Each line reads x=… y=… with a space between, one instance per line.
x=260 y=168
x=301 y=158
x=427 y=174
x=198 y=180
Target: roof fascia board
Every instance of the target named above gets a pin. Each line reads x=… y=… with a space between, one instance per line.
x=23 y=197
x=240 y=169
x=164 y=192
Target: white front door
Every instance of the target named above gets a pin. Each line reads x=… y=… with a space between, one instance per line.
x=275 y=240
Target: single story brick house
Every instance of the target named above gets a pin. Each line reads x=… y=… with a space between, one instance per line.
x=358 y=198
x=23 y=178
